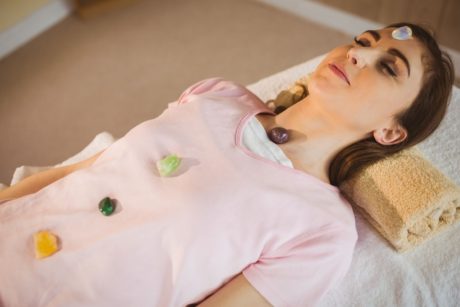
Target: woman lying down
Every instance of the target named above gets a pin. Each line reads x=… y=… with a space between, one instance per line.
x=219 y=201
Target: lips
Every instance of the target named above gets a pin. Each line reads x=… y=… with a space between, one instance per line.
x=339 y=72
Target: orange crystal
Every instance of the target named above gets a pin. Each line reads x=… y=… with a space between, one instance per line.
x=46 y=244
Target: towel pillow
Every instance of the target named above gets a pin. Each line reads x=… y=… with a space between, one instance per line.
x=405 y=198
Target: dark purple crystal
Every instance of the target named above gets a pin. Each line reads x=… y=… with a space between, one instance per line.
x=278 y=135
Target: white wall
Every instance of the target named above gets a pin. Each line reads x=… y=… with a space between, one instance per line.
x=16 y=33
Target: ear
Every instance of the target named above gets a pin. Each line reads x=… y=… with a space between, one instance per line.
x=390 y=135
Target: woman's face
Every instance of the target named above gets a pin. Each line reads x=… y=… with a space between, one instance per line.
x=384 y=77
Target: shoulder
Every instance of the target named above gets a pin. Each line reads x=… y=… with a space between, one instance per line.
x=317 y=261
x=323 y=205
x=216 y=86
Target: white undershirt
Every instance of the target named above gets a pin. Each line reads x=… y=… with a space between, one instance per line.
x=256 y=140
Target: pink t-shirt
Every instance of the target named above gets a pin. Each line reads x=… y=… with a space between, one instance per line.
x=174 y=240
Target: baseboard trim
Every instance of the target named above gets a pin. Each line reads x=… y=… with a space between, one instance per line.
x=38 y=22
x=339 y=20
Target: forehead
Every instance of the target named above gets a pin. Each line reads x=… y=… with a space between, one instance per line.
x=386 y=35
x=411 y=48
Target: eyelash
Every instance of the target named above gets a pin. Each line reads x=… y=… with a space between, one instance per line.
x=384 y=65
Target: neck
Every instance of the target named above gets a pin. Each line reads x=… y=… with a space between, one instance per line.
x=314 y=136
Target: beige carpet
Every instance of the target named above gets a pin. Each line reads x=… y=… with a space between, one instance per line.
x=113 y=71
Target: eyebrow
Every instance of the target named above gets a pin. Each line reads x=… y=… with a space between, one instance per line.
x=375 y=34
x=393 y=51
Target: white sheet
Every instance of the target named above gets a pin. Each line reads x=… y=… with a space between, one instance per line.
x=379 y=276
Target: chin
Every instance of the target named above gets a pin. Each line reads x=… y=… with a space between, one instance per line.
x=326 y=94
x=321 y=85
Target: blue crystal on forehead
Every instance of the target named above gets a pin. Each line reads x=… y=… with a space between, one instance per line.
x=402 y=33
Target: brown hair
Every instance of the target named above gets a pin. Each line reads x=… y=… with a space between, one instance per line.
x=420 y=119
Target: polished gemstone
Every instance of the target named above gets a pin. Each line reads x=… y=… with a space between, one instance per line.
x=107 y=206
x=46 y=244
x=402 y=33
x=168 y=165
x=278 y=135
x=279 y=109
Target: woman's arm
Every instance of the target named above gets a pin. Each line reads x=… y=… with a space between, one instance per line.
x=237 y=292
x=38 y=181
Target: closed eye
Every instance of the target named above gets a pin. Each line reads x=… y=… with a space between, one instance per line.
x=383 y=65
x=387 y=67
x=364 y=43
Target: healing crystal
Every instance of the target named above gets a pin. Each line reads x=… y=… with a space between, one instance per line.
x=45 y=243
x=278 y=135
x=168 y=165
x=279 y=109
x=402 y=33
x=107 y=206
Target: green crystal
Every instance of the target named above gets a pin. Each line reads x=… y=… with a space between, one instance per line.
x=106 y=206
x=168 y=165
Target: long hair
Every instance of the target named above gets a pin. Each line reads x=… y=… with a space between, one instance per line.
x=420 y=120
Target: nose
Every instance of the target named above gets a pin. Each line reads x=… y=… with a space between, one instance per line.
x=362 y=57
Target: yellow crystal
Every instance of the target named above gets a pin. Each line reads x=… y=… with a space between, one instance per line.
x=46 y=244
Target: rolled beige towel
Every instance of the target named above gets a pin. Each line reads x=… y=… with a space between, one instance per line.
x=405 y=198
